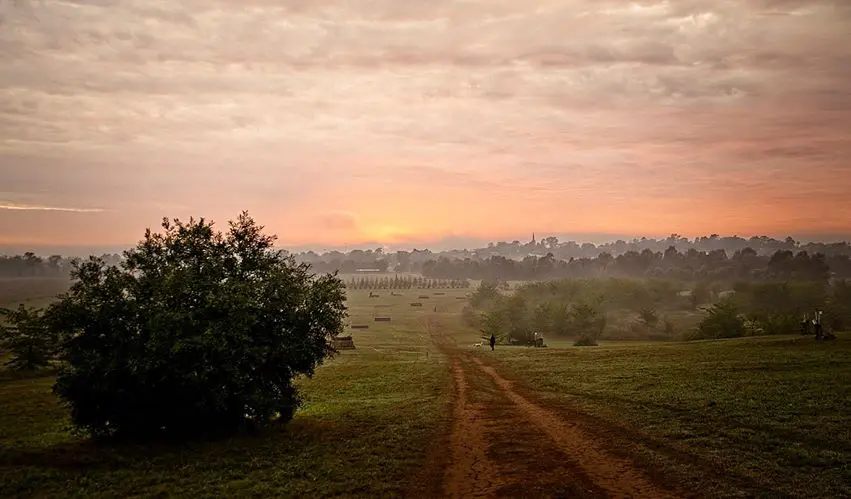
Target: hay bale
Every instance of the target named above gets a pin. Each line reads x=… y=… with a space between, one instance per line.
x=382 y=319
x=439 y=293
x=416 y=304
x=423 y=297
x=359 y=326
x=343 y=343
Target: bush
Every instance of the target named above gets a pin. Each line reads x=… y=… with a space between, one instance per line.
x=585 y=341
x=648 y=318
x=588 y=324
x=196 y=333
x=777 y=323
x=838 y=309
x=722 y=321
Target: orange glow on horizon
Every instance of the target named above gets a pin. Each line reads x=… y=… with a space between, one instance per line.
x=393 y=128
x=430 y=215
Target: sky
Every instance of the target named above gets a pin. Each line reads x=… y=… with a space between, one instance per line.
x=338 y=122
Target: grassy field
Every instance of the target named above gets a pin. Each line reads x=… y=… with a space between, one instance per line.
x=365 y=430
x=756 y=417
x=31 y=291
x=726 y=418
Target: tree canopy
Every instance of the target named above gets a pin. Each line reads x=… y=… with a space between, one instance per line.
x=194 y=332
x=30 y=343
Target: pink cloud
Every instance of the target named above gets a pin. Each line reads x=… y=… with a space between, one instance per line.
x=418 y=120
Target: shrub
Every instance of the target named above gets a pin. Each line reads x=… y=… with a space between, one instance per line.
x=648 y=318
x=722 y=321
x=588 y=324
x=196 y=333
x=585 y=341
x=777 y=323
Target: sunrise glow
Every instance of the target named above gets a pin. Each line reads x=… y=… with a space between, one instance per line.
x=414 y=122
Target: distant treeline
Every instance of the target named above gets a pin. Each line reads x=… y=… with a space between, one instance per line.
x=763 y=245
x=703 y=257
x=707 y=257
x=405 y=282
x=693 y=265
x=31 y=265
x=411 y=261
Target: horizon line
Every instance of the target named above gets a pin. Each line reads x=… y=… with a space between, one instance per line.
x=441 y=245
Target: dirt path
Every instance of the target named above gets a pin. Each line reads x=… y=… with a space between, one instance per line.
x=505 y=445
x=472 y=473
x=614 y=475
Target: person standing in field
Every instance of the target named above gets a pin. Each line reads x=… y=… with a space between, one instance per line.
x=493 y=341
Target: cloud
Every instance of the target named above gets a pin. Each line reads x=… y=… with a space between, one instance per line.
x=22 y=207
x=320 y=106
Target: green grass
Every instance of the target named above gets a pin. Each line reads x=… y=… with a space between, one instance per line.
x=753 y=417
x=365 y=430
x=724 y=417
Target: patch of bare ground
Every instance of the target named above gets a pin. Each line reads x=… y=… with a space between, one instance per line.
x=497 y=452
x=612 y=475
x=502 y=445
x=655 y=457
x=528 y=463
x=471 y=473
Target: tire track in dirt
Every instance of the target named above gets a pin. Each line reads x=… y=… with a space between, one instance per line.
x=502 y=444
x=471 y=473
x=494 y=451
x=614 y=475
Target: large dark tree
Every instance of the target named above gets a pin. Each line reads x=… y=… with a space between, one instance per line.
x=197 y=332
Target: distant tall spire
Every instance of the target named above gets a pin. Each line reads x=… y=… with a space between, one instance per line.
x=533 y=238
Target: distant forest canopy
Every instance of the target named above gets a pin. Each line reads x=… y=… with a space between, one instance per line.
x=549 y=258
x=692 y=265
x=31 y=265
x=708 y=257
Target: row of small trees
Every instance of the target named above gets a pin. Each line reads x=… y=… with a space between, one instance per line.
x=405 y=282
x=196 y=332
